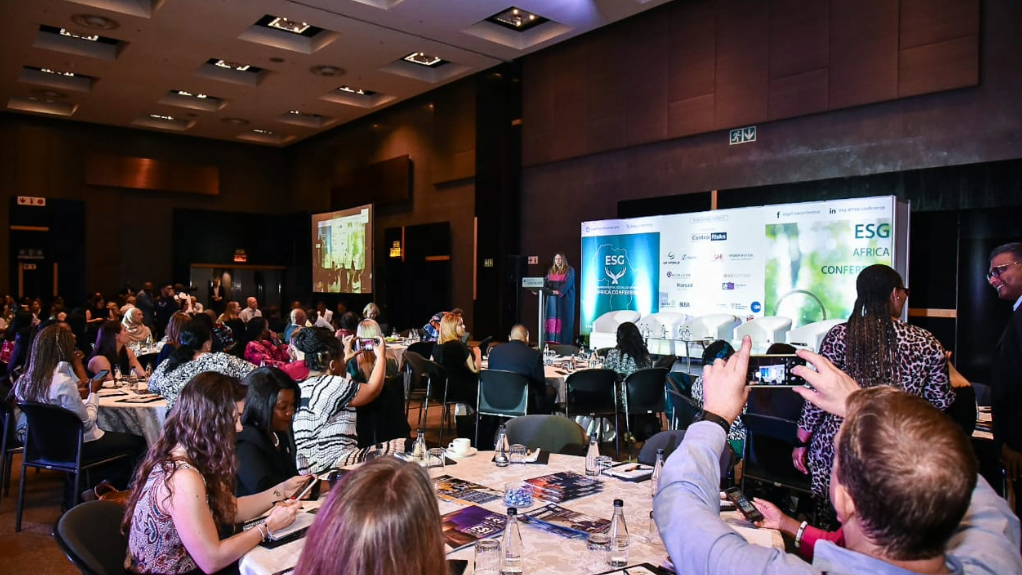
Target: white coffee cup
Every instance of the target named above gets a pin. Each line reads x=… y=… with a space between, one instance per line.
x=460 y=446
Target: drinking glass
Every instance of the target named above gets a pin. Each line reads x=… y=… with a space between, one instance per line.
x=597 y=551
x=487 y=560
x=518 y=494
x=437 y=457
x=603 y=463
x=518 y=453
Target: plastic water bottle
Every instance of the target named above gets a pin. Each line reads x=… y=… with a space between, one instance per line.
x=148 y=371
x=419 y=451
x=511 y=560
x=618 y=536
x=594 y=360
x=117 y=374
x=501 y=457
x=654 y=480
x=591 y=455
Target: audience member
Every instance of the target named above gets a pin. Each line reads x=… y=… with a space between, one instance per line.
x=262 y=346
x=173 y=338
x=192 y=357
x=383 y=418
x=325 y=427
x=905 y=487
x=135 y=326
x=323 y=312
x=111 y=353
x=165 y=306
x=348 y=325
x=183 y=497
x=461 y=363
x=517 y=356
x=233 y=320
x=630 y=354
x=17 y=340
x=251 y=310
x=381 y=518
x=1005 y=276
x=298 y=321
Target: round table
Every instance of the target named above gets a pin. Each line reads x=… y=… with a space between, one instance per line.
x=117 y=413
x=545 y=553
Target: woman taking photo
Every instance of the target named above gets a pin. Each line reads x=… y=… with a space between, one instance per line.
x=193 y=357
x=874 y=348
x=325 y=423
x=559 y=313
x=111 y=353
x=183 y=500
x=262 y=346
x=266 y=443
x=384 y=418
x=382 y=518
x=51 y=378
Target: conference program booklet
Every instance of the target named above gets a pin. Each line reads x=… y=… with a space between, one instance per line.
x=465 y=526
x=564 y=486
x=556 y=519
x=459 y=490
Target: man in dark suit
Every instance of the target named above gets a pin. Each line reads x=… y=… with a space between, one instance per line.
x=1005 y=276
x=517 y=356
x=144 y=302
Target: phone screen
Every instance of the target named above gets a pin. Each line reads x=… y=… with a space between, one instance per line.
x=744 y=505
x=774 y=370
x=365 y=344
x=101 y=375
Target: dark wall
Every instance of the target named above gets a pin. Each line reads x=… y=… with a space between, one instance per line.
x=437 y=132
x=128 y=233
x=966 y=126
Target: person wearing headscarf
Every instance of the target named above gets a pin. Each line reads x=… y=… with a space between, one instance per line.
x=134 y=324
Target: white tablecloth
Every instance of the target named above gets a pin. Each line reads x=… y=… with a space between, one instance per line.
x=546 y=554
x=144 y=419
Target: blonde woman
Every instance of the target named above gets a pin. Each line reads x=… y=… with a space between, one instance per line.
x=461 y=362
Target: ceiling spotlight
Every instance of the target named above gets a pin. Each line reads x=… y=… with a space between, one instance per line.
x=288 y=25
x=516 y=19
x=356 y=91
x=49 y=71
x=234 y=121
x=327 y=70
x=423 y=59
x=232 y=65
x=293 y=112
x=95 y=21
x=161 y=117
x=265 y=132
x=89 y=37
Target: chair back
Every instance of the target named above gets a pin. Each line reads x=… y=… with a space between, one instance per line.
x=644 y=391
x=90 y=536
x=384 y=418
x=685 y=408
x=769 y=441
x=502 y=393
x=666 y=361
x=564 y=349
x=436 y=388
x=591 y=392
x=415 y=367
x=54 y=436
x=423 y=348
x=671 y=440
x=551 y=433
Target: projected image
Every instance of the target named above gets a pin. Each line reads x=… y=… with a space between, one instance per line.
x=342 y=244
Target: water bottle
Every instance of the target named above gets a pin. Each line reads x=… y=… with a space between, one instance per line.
x=591 y=455
x=117 y=374
x=148 y=371
x=593 y=360
x=501 y=457
x=419 y=451
x=618 y=536
x=654 y=480
x=511 y=560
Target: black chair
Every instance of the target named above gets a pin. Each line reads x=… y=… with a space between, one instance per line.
x=90 y=536
x=771 y=424
x=501 y=393
x=644 y=393
x=415 y=370
x=382 y=419
x=551 y=433
x=436 y=390
x=685 y=409
x=54 y=441
x=593 y=392
x=9 y=444
x=669 y=441
x=484 y=346
x=423 y=348
x=564 y=349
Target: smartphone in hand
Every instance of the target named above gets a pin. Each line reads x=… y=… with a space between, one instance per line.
x=366 y=343
x=744 y=505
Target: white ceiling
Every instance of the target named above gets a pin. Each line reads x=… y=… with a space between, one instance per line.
x=165 y=50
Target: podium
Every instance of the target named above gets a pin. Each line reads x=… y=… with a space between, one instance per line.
x=537 y=285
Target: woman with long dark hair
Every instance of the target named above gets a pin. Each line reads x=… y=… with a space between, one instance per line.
x=382 y=518
x=183 y=499
x=874 y=348
x=266 y=443
x=630 y=354
x=325 y=424
x=192 y=357
x=51 y=378
x=559 y=320
x=111 y=351
x=262 y=346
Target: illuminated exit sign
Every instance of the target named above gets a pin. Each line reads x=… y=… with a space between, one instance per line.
x=742 y=135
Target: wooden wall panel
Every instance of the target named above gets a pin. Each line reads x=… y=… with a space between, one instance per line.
x=646 y=79
x=799 y=37
x=691 y=67
x=940 y=66
x=863 y=52
x=607 y=93
x=742 y=62
x=923 y=22
x=798 y=95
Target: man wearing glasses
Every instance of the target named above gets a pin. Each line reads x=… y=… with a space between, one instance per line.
x=1005 y=276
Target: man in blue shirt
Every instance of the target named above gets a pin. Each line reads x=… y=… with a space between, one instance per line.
x=904 y=486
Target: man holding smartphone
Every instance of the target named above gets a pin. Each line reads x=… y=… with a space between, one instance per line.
x=904 y=484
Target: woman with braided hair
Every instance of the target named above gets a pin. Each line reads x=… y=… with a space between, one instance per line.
x=875 y=348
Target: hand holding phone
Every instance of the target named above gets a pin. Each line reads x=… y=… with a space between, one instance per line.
x=744 y=505
x=774 y=370
x=367 y=343
x=97 y=381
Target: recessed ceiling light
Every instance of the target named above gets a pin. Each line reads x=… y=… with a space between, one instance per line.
x=231 y=65
x=162 y=117
x=293 y=112
x=88 y=37
x=266 y=132
x=95 y=21
x=234 y=121
x=189 y=94
x=327 y=70
x=55 y=72
x=356 y=91
x=423 y=59
x=287 y=25
x=516 y=19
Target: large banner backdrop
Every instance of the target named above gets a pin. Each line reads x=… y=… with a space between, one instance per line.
x=793 y=260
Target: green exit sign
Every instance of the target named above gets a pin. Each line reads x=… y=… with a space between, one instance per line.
x=742 y=135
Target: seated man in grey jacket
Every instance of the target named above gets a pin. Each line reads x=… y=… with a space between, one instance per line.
x=904 y=485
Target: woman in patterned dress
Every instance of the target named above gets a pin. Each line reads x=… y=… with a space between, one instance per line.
x=559 y=323
x=875 y=348
x=183 y=501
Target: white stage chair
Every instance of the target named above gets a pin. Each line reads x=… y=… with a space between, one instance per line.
x=811 y=335
x=764 y=331
x=663 y=330
x=604 y=332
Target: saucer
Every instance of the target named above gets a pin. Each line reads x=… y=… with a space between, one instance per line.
x=471 y=451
